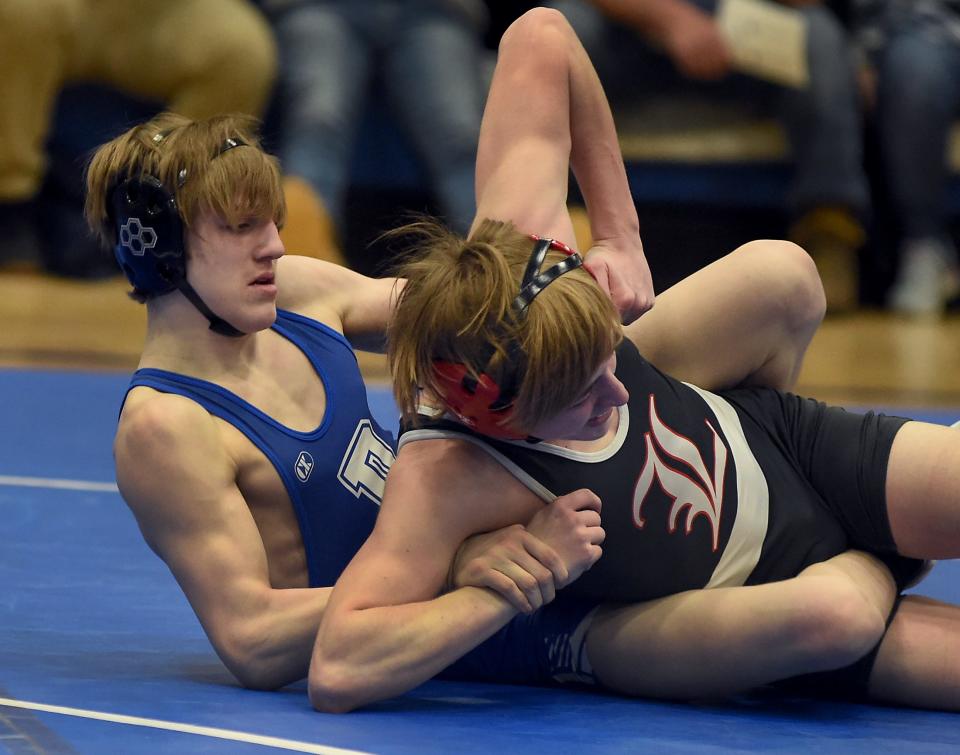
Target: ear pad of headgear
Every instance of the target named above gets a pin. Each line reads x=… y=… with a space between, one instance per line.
x=482 y=403
x=476 y=402
x=149 y=234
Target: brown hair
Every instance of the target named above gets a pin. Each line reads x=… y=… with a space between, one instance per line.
x=185 y=156
x=457 y=305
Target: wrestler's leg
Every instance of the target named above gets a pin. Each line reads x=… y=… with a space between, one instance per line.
x=919 y=659
x=923 y=491
x=711 y=643
x=745 y=319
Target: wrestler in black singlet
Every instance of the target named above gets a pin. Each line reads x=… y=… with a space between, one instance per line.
x=705 y=490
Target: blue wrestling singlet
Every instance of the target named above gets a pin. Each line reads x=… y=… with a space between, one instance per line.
x=335 y=474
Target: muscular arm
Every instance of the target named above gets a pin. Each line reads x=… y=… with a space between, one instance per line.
x=193 y=516
x=355 y=304
x=546 y=112
x=385 y=629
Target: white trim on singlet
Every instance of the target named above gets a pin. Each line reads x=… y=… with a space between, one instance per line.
x=414 y=435
x=588 y=457
x=592 y=457
x=742 y=552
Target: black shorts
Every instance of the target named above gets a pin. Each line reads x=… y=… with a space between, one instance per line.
x=844 y=457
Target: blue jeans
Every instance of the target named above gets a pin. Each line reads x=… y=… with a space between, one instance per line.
x=429 y=59
x=918 y=98
x=822 y=122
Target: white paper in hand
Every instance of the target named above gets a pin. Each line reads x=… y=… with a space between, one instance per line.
x=767 y=40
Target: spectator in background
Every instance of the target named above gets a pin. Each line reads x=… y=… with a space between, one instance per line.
x=426 y=55
x=650 y=46
x=911 y=53
x=196 y=57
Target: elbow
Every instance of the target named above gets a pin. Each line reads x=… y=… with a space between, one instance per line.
x=251 y=661
x=252 y=674
x=332 y=687
x=540 y=34
x=333 y=682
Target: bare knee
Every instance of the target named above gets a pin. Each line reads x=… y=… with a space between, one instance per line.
x=793 y=280
x=834 y=626
x=790 y=301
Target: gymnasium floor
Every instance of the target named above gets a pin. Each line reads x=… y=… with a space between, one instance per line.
x=100 y=653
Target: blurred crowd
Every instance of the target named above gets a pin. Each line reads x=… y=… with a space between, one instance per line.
x=314 y=69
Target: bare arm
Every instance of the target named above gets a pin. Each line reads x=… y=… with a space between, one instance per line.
x=385 y=630
x=193 y=516
x=546 y=112
x=354 y=304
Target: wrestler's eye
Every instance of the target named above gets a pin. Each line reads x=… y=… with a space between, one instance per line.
x=583 y=399
x=240 y=227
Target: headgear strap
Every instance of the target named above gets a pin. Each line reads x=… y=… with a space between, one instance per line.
x=150 y=245
x=480 y=403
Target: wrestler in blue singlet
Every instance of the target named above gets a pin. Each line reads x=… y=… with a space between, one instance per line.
x=335 y=476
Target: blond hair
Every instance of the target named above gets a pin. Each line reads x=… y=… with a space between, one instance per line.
x=457 y=306
x=188 y=158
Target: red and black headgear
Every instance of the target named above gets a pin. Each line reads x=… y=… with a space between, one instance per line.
x=482 y=403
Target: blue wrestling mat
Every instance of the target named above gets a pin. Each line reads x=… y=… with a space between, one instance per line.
x=100 y=653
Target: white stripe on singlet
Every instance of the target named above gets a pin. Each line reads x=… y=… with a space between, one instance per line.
x=414 y=435
x=742 y=552
x=587 y=457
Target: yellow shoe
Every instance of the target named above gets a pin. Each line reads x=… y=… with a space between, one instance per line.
x=309 y=229
x=833 y=237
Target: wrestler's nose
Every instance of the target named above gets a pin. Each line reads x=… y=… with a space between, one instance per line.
x=615 y=392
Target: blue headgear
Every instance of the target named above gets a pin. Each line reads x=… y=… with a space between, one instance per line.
x=150 y=245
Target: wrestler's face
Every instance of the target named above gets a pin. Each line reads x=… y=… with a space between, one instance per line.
x=591 y=415
x=232 y=268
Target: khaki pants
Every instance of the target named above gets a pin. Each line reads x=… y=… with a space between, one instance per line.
x=199 y=57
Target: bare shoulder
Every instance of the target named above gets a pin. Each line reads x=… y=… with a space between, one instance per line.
x=311 y=287
x=352 y=303
x=152 y=420
x=450 y=453
x=455 y=476
x=167 y=447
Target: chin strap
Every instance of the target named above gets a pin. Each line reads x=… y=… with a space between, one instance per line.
x=217 y=324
